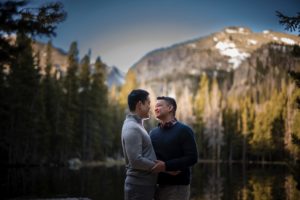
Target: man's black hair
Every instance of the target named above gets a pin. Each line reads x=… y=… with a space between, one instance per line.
x=170 y=101
x=135 y=96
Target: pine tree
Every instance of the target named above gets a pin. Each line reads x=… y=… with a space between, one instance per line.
x=103 y=129
x=201 y=100
x=24 y=94
x=232 y=142
x=269 y=127
x=57 y=140
x=261 y=188
x=50 y=106
x=247 y=120
x=72 y=139
x=4 y=115
x=278 y=125
x=116 y=118
x=295 y=123
x=185 y=109
x=290 y=23
x=213 y=121
x=296 y=103
x=292 y=189
x=84 y=108
x=17 y=17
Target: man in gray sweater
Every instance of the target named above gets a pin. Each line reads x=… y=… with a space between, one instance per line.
x=139 y=155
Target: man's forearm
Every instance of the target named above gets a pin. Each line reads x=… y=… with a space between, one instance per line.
x=181 y=163
x=142 y=163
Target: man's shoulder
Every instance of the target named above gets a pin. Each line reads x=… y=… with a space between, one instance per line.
x=130 y=125
x=184 y=127
x=130 y=121
x=154 y=130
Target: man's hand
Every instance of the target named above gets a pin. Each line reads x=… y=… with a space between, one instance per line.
x=159 y=166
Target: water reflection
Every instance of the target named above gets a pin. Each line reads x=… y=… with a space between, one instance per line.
x=210 y=182
x=94 y=183
x=238 y=182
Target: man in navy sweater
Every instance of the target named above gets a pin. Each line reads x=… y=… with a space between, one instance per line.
x=174 y=145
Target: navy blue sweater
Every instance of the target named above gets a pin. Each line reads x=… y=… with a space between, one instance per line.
x=175 y=146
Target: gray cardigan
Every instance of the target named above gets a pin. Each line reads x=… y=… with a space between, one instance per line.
x=138 y=152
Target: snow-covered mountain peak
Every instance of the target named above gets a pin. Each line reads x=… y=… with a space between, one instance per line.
x=225 y=50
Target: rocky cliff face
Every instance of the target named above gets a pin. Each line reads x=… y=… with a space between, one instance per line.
x=236 y=55
x=266 y=69
x=60 y=62
x=59 y=58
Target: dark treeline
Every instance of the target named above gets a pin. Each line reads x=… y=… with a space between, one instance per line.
x=53 y=116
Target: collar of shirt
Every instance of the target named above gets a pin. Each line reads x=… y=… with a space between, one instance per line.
x=136 y=118
x=168 y=124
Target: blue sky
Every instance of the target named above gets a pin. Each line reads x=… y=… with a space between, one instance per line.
x=122 y=31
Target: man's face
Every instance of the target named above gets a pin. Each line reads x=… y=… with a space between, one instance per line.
x=145 y=108
x=162 y=109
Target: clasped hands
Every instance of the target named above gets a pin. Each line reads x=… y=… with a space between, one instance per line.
x=160 y=166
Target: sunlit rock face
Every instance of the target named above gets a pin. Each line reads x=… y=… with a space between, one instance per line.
x=228 y=54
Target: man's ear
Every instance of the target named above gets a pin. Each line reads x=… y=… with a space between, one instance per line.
x=138 y=105
x=170 y=108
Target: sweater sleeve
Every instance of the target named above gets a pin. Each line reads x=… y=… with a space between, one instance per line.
x=133 y=147
x=190 y=153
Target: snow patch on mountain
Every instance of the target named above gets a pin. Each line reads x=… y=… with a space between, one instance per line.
x=288 y=41
x=193 y=46
x=235 y=30
x=252 y=42
x=229 y=49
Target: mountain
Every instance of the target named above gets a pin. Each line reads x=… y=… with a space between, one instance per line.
x=60 y=62
x=59 y=57
x=115 y=76
x=232 y=55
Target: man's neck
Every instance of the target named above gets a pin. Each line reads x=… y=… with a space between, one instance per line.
x=167 y=119
x=137 y=114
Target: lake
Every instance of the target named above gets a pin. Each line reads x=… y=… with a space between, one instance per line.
x=210 y=182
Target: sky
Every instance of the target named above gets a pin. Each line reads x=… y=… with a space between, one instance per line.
x=121 y=32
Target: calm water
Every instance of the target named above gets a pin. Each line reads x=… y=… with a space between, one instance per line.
x=210 y=182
